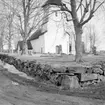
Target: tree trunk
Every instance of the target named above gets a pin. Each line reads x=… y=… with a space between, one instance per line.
x=78 y=44
x=26 y=13
x=1 y=44
x=9 y=47
x=25 y=48
x=9 y=43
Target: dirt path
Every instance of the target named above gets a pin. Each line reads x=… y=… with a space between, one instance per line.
x=12 y=93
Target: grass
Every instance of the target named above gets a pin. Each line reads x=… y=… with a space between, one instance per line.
x=64 y=60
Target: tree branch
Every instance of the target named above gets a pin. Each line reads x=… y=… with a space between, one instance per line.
x=66 y=16
x=74 y=12
x=92 y=11
x=86 y=9
x=99 y=6
x=65 y=8
x=79 y=5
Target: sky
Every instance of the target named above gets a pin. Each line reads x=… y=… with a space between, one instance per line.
x=99 y=23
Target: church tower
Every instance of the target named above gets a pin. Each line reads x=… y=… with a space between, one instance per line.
x=46 y=8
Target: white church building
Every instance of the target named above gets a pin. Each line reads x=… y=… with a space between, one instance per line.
x=51 y=38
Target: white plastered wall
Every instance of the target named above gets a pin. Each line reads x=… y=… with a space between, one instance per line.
x=55 y=35
x=38 y=44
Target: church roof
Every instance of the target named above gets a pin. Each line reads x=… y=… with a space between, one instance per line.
x=52 y=2
x=36 y=34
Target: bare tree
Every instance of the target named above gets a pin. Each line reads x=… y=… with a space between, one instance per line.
x=28 y=16
x=29 y=19
x=2 y=28
x=8 y=16
x=79 y=12
x=9 y=36
x=92 y=36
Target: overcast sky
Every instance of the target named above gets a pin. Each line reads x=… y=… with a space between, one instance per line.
x=99 y=23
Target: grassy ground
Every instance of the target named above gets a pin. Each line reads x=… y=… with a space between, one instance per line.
x=41 y=94
x=95 y=94
x=64 y=60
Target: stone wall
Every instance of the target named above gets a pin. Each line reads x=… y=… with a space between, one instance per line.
x=68 y=78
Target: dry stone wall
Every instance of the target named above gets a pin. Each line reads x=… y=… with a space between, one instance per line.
x=69 y=78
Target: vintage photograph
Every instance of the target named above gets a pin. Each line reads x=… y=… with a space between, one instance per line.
x=52 y=52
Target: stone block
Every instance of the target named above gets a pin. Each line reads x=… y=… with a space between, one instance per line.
x=88 y=76
x=89 y=70
x=103 y=69
x=98 y=70
x=101 y=77
x=70 y=82
x=97 y=66
x=79 y=69
x=104 y=72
